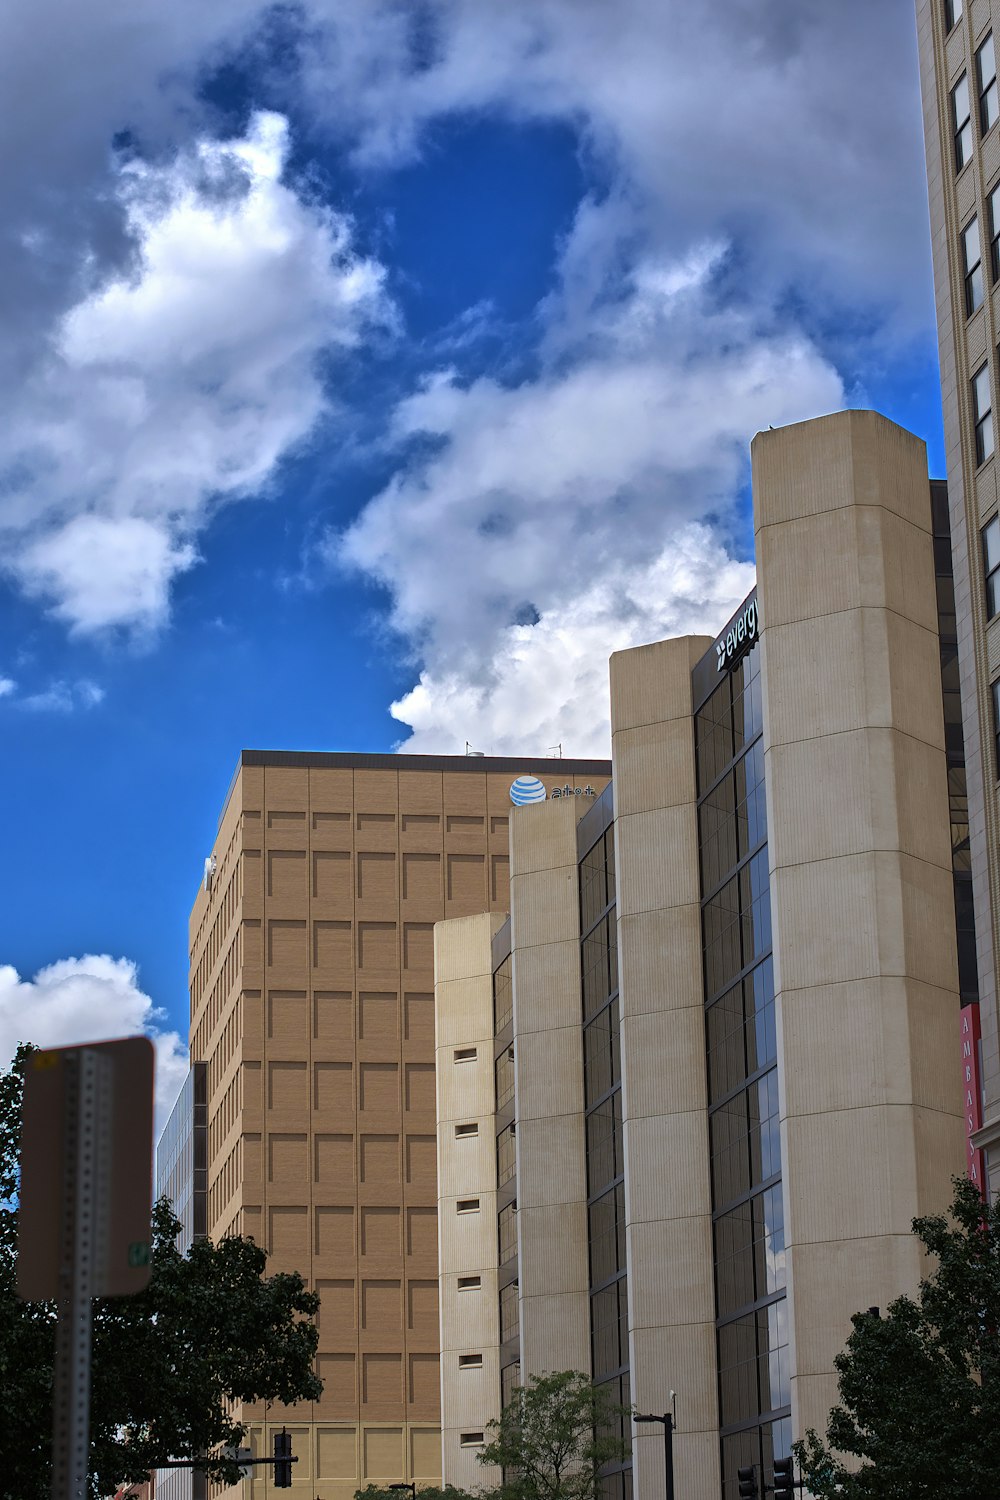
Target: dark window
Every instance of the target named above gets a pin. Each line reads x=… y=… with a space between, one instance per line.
x=607 y=1236
x=503 y=997
x=600 y=964
x=601 y=1054
x=952 y=13
x=504 y=1070
x=506 y=1155
x=993 y=207
x=604 y=1144
x=510 y=1380
x=609 y=1329
x=973 y=267
x=507 y=1232
x=986 y=72
x=991 y=565
x=982 y=413
x=995 y=690
x=508 y=1312
x=961 y=115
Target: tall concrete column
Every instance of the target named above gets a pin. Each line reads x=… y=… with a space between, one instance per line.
x=863 y=905
x=548 y=1060
x=664 y=1102
x=467 y=1193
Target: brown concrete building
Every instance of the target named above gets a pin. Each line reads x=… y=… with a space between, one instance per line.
x=962 y=139
x=312 y=1004
x=692 y=1095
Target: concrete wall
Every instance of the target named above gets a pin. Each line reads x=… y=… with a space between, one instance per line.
x=863 y=914
x=548 y=1056
x=664 y=1102
x=467 y=1240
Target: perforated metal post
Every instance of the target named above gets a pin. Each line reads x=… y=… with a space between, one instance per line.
x=86 y=1161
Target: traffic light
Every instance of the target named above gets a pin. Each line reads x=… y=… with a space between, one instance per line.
x=748 y=1483
x=282 y=1460
x=784 y=1479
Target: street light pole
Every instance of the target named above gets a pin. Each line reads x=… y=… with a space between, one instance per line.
x=668 y=1448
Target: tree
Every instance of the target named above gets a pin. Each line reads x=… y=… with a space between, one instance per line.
x=920 y=1387
x=553 y=1438
x=210 y=1329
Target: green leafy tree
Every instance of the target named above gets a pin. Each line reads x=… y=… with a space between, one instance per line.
x=209 y=1331
x=553 y=1437
x=920 y=1387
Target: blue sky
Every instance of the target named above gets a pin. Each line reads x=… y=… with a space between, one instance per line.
x=373 y=370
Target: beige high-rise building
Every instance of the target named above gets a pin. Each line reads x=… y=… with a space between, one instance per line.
x=958 y=60
x=312 y=1004
x=693 y=1093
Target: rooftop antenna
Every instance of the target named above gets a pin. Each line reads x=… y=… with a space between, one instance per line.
x=469 y=750
x=558 y=752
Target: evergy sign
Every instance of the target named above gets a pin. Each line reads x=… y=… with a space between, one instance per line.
x=738 y=639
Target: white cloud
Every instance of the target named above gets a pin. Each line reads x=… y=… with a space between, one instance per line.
x=777 y=127
x=89 y=999
x=64 y=697
x=182 y=384
x=548 y=683
x=7 y=686
x=555 y=521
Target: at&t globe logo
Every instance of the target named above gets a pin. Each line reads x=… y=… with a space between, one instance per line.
x=526 y=789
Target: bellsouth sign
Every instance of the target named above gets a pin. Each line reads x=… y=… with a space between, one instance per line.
x=738 y=639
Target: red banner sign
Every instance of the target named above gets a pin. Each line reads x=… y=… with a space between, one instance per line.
x=972 y=1094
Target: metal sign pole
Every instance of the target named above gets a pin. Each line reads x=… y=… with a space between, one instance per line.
x=86 y=1149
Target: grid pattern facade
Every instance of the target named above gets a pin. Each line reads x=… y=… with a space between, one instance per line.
x=602 y=1085
x=313 y=1008
x=957 y=65
x=748 y=1224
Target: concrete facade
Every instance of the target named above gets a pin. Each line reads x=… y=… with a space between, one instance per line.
x=668 y=1199
x=312 y=1004
x=861 y=878
x=752 y=1080
x=968 y=335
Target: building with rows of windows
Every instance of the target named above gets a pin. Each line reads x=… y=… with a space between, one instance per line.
x=693 y=1089
x=957 y=49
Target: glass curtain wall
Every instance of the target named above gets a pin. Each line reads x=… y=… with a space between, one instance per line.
x=748 y=1225
x=954 y=744
x=603 y=1104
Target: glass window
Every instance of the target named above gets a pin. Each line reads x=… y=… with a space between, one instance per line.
x=506 y=1155
x=993 y=207
x=995 y=690
x=503 y=997
x=604 y=1150
x=952 y=13
x=961 y=121
x=982 y=414
x=504 y=1069
x=986 y=70
x=508 y=1312
x=973 y=268
x=991 y=565
x=507 y=1232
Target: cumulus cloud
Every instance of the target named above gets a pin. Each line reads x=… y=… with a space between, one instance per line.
x=777 y=126
x=181 y=384
x=7 y=686
x=590 y=508
x=89 y=999
x=547 y=683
